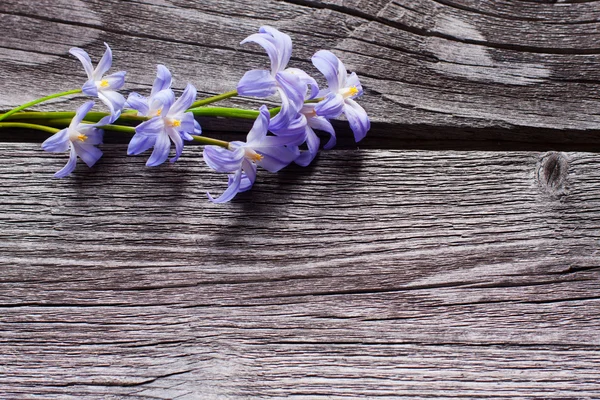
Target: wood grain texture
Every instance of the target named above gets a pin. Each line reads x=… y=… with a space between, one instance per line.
x=392 y=274
x=443 y=70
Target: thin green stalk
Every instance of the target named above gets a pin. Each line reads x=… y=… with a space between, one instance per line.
x=118 y=128
x=28 y=126
x=209 y=141
x=224 y=112
x=214 y=99
x=37 y=101
x=94 y=116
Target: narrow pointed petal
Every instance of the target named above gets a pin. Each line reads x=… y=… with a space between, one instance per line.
x=184 y=101
x=114 y=101
x=89 y=88
x=275 y=48
x=88 y=153
x=163 y=79
x=283 y=44
x=85 y=60
x=285 y=118
x=323 y=124
x=162 y=147
x=178 y=141
x=232 y=189
x=67 y=169
x=358 y=119
x=223 y=160
x=145 y=136
x=57 y=143
x=188 y=124
x=276 y=158
x=115 y=81
x=104 y=64
x=260 y=127
x=248 y=176
x=257 y=83
x=138 y=102
x=307 y=81
x=331 y=107
x=327 y=63
x=81 y=113
x=293 y=87
x=313 y=142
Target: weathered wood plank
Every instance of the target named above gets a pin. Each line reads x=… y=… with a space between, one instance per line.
x=412 y=274
x=461 y=70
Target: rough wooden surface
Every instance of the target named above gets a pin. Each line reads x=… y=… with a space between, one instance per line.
x=465 y=70
x=451 y=272
x=411 y=274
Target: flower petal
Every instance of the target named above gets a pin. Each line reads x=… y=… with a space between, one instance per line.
x=89 y=88
x=80 y=114
x=323 y=124
x=114 y=101
x=163 y=79
x=184 y=101
x=139 y=103
x=275 y=158
x=248 y=176
x=162 y=147
x=260 y=127
x=104 y=64
x=257 y=83
x=57 y=143
x=115 y=81
x=85 y=60
x=223 y=160
x=306 y=80
x=293 y=87
x=145 y=135
x=327 y=63
x=67 y=169
x=232 y=189
x=358 y=119
x=87 y=152
x=178 y=141
x=313 y=142
x=283 y=44
x=331 y=106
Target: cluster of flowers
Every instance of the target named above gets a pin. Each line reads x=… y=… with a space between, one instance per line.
x=304 y=108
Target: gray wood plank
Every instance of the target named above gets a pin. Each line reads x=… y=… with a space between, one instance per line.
x=392 y=274
x=443 y=70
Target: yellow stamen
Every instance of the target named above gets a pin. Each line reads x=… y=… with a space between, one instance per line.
x=159 y=112
x=256 y=157
x=349 y=92
x=104 y=83
x=175 y=122
x=81 y=137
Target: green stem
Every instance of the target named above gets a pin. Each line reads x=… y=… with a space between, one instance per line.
x=29 y=126
x=118 y=128
x=214 y=99
x=37 y=101
x=229 y=112
x=94 y=116
x=209 y=141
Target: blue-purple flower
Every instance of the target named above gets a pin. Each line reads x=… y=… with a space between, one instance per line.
x=80 y=139
x=291 y=83
x=152 y=106
x=241 y=159
x=339 y=97
x=98 y=85
x=171 y=123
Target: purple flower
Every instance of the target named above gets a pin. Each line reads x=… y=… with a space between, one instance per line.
x=171 y=123
x=291 y=83
x=80 y=139
x=98 y=85
x=152 y=106
x=339 y=97
x=309 y=119
x=241 y=159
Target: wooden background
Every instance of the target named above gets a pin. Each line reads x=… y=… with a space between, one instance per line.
x=454 y=253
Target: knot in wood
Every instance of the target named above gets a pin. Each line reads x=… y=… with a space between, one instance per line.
x=553 y=172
